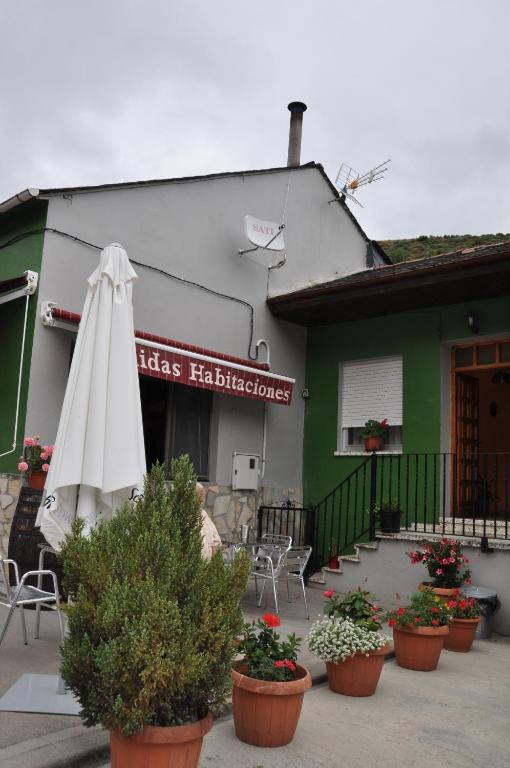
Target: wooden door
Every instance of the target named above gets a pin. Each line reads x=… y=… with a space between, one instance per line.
x=466 y=443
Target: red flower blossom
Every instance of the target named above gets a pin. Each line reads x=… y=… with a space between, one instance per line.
x=391 y=623
x=328 y=593
x=290 y=664
x=271 y=620
x=434 y=609
x=418 y=620
x=279 y=664
x=400 y=611
x=434 y=622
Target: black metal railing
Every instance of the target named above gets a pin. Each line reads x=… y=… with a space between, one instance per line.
x=446 y=493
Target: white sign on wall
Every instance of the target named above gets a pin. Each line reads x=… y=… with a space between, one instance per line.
x=264 y=234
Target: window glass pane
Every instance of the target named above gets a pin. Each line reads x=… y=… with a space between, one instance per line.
x=463 y=357
x=154 y=397
x=486 y=355
x=504 y=352
x=192 y=410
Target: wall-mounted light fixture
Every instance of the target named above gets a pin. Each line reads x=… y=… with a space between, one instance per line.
x=472 y=321
x=305 y=393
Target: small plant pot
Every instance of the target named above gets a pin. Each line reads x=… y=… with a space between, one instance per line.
x=461 y=635
x=445 y=593
x=358 y=675
x=333 y=563
x=178 y=746
x=419 y=648
x=266 y=713
x=36 y=480
x=390 y=520
x=372 y=443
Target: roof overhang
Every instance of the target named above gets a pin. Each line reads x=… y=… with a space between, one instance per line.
x=479 y=273
x=22 y=197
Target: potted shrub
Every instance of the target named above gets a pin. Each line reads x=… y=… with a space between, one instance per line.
x=350 y=643
x=372 y=433
x=151 y=624
x=268 y=685
x=419 y=630
x=445 y=563
x=388 y=513
x=35 y=462
x=464 y=619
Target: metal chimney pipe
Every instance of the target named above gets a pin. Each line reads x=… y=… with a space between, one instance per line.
x=296 y=109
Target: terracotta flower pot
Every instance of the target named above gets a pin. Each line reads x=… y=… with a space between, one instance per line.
x=358 y=675
x=419 y=648
x=372 y=443
x=445 y=593
x=461 y=635
x=333 y=563
x=36 y=480
x=154 y=747
x=266 y=713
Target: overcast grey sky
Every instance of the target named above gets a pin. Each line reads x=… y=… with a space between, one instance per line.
x=120 y=90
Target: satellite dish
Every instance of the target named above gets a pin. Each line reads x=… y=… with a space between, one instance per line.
x=264 y=234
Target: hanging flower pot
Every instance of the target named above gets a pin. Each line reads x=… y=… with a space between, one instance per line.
x=37 y=479
x=266 y=712
x=357 y=675
x=159 y=747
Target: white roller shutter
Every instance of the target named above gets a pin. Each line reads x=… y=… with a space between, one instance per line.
x=371 y=389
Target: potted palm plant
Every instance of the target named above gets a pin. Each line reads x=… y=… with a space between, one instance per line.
x=372 y=433
x=419 y=630
x=152 y=624
x=464 y=619
x=268 y=685
x=350 y=643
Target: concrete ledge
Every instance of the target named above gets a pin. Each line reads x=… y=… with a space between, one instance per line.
x=69 y=747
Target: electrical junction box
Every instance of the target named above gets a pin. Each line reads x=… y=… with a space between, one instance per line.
x=245 y=471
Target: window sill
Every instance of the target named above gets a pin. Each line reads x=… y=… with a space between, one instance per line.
x=368 y=453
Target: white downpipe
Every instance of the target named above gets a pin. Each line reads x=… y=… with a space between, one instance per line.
x=15 y=436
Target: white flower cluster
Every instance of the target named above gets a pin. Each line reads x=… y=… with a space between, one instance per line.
x=337 y=639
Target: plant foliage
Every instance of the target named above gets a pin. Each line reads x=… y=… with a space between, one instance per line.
x=425 y=610
x=265 y=655
x=374 y=428
x=357 y=606
x=152 y=625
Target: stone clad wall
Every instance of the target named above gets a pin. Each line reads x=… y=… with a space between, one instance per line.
x=9 y=492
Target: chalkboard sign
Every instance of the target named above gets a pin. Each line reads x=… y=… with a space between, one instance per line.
x=25 y=538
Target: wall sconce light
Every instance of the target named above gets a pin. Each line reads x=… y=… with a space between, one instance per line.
x=472 y=321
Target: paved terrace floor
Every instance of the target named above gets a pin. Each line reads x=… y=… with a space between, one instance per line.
x=456 y=717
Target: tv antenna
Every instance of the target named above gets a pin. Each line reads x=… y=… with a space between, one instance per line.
x=349 y=180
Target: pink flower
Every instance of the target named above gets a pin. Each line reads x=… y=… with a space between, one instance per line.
x=467 y=581
x=44 y=455
x=45 y=467
x=23 y=466
x=29 y=441
x=446 y=561
x=439 y=572
x=49 y=449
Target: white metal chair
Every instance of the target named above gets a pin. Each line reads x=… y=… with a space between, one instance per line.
x=21 y=594
x=268 y=562
x=294 y=568
x=285 y=542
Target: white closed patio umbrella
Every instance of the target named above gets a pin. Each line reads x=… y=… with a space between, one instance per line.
x=99 y=457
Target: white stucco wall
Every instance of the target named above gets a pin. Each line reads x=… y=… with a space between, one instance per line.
x=194 y=229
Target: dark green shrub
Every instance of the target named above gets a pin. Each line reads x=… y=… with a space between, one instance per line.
x=152 y=625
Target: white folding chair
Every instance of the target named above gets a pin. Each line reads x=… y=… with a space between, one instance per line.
x=21 y=594
x=294 y=568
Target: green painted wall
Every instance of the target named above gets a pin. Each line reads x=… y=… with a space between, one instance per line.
x=418 y=337
x=14 y=260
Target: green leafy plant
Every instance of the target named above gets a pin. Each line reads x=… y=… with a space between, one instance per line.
x=152 y=624
x=357 y=606
x=387 y=505
x=265 y=655
x=374 y=428
x=444 y=562
x=425 y=610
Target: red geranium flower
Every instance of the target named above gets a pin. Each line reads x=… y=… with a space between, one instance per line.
x=328 y=593
x=271 y=619
x=279 y=664
x=400 y=611
x=434 y=622
x=391 y=623
x=290 y=664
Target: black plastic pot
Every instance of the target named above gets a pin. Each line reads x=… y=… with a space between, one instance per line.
x=389 y=520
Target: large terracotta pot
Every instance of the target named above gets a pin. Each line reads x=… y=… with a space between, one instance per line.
x=372 y=443
x=358 y=675
x=154 y=747
x=419 y=648
x=36 y=480
x=461 y=635
x=266 y=713
x=445 y=593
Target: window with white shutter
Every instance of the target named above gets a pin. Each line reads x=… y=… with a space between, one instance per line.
x=370 y=389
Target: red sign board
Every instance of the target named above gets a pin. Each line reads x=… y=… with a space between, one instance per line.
x=207 y=373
